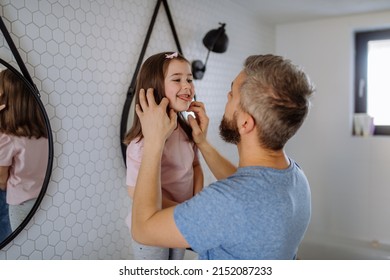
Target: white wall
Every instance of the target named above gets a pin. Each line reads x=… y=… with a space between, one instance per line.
x=82 y=55
x=349 y=175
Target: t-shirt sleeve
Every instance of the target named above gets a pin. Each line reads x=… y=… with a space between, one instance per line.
x=133 y=161
x=6 y=150
x=207 y=219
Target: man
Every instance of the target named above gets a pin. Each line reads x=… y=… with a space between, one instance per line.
x=259 y=210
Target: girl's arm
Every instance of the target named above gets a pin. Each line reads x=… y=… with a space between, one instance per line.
x=167 y=202
x=198 y=177
x=219 y=165
x=3 y=177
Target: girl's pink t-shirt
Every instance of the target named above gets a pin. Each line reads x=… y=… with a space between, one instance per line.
x=27 y=162
x=177 y=173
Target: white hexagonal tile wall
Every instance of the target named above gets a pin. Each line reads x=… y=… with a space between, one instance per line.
x=82 y=55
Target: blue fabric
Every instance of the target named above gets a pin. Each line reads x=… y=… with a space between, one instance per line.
x=5 y=226
x=257 y=213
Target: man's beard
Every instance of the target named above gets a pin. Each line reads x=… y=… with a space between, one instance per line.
x=228 y=130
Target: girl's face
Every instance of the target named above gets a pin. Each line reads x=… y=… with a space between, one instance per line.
x=179 y=88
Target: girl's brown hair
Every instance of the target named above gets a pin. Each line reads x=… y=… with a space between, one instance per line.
x=22 y=115
x=152 y=75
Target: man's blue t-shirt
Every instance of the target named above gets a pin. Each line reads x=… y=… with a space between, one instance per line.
x=257 y=213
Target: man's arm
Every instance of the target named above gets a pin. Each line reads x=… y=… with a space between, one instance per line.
x=152 y=225
x=198 y=178
x=165 y=201
x=219 y=165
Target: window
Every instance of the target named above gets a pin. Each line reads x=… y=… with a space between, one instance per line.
x=372 y=79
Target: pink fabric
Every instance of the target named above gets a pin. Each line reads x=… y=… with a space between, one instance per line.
x=176 y=165
x=27 y=161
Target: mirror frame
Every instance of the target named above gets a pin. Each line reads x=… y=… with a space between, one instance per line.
x=35 y=93
x=131 y=90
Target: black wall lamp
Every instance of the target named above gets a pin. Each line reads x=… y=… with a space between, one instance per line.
x=215 y=41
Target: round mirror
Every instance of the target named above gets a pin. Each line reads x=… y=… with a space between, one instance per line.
x=26 y=152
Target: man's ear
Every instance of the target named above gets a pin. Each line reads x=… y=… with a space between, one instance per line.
x=246 y=123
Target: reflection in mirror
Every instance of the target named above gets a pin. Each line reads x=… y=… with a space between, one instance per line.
x=25 y=152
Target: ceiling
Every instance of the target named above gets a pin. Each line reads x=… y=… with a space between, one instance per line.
x=285 y=11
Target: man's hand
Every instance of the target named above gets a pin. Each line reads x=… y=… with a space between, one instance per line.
x=200 y=124
x=219 y=166
x=156 y=124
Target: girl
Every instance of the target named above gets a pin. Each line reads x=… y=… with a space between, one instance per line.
x=169 y=74
x=23 y=146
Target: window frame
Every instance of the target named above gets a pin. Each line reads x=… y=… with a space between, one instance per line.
x=361 y=51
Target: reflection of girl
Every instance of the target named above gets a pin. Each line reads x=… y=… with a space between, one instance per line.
x=181 y=174
x=23 y=146
x=5 y=227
